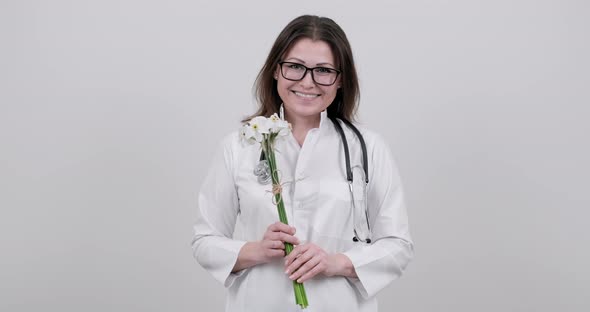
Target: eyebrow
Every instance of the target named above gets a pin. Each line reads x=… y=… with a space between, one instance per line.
x=303 y=62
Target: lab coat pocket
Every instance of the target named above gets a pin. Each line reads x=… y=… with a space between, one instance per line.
x=334 y=190
x=333 y=216
x=343 y=190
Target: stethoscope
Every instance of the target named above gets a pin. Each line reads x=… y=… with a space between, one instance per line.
x=263 y=173
x=349 y=175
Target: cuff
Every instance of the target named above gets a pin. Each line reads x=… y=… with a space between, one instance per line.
x=228 y=277
x=220 y=259
x=371 y=271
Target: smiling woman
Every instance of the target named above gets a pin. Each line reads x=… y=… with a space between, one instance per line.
x=309 y=80
x=333 y=50
x=303 y=97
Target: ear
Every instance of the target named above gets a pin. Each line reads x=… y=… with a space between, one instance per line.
x=277 y=72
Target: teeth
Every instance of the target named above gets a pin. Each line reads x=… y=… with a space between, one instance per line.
x=305 y=95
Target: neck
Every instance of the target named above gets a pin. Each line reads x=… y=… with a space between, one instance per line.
x=300 y=126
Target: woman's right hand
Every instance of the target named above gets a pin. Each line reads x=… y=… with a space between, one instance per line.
x=271 y=246
x=274 y=239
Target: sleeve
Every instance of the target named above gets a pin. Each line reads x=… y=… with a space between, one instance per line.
x=385 y=259
x=218 y=207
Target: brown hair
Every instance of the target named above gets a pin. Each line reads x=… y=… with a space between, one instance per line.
x=315 y=28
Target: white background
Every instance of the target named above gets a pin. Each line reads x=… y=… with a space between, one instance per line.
x=109 y=111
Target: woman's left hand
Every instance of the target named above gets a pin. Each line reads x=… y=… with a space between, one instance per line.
x=308 y=260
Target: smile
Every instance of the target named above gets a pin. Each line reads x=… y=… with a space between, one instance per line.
x=305 y=95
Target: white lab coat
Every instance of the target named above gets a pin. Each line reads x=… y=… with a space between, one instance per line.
x=234 y=208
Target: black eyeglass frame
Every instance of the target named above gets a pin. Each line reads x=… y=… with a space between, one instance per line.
x=310 y=70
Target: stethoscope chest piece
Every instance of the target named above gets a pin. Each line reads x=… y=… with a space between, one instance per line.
x=262 y=172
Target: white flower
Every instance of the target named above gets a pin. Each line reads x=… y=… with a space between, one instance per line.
x=260 y=124
x=248 y=134
x=274 y=118
x=277 y=125
x=284 y=128
x=261 y=128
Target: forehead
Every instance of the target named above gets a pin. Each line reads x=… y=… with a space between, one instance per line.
x=311 y=52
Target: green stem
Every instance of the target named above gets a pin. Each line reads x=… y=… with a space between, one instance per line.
x=300 y=295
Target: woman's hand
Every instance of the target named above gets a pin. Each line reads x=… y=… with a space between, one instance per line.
x=274 y=239
x=271 y=246
x=309 y=260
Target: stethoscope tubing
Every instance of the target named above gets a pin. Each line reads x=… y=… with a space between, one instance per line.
x=349 y=175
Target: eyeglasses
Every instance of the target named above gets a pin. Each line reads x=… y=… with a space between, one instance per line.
x=323 y=76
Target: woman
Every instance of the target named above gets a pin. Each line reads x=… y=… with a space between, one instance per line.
x=310 y=74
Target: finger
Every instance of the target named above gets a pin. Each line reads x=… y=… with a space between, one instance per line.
x=273 y=244
x=289 y=238
x=283 y=237
x=274 y=253
x=271 y=230
x=281 y=227
x=319 y=268
x=300 y=261
x=298 y=250
x=305 y=268
x=278 y=245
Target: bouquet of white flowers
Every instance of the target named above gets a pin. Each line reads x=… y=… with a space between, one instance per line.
x=265 y=131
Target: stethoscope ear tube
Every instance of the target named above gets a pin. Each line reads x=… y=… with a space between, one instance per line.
x=363 y=148
x=346 y=150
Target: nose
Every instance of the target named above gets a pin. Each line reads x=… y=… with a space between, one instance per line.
x=307 y=80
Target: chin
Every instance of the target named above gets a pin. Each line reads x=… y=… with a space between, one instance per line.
x=305 y=110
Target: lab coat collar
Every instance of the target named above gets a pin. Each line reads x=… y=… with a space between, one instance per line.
x=323 y=118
